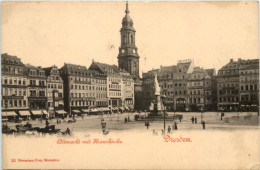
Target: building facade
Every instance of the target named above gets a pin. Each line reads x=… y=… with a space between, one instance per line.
x=228 y=86
x=37 y=98
x=202 y=89
x=79 y=88
x=249 y=85
x=101 y=89
x=127 y=90
x=54 y=89
x=14 y=84
x=114 y=83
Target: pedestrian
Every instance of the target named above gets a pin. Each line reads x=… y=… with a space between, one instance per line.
x=57 y=121
x=147 y=124
x=203 y=125
x=47 y=123
x=175 y=126
x=128 y=119
x=192 y=119
x=169 y=129
x=195 y=120
x=125 y=119
x=180 y=118
x=163 y=132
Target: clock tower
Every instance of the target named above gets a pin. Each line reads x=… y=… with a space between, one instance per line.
x=128 y=58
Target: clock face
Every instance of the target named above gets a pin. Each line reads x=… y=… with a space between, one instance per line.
x=123 y=51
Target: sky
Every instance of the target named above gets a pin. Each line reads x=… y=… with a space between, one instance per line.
x=209 y=33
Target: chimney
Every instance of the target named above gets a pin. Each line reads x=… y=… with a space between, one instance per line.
x=231 y=60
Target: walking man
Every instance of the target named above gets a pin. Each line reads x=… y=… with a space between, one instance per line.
x=192 y=119
x=203 y=125
x=195 y=120
x=169 y=129
x=175 y=126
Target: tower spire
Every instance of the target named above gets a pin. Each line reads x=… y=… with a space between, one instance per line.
x=126 y=10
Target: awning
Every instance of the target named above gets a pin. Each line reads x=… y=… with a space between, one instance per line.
x=94 y=110
x=103 y=109
x=121 y=108
x=45 y=112
x=253 y=105
x=61 y=112
x=115 y=108
x=76 y=111
x=25 y=113
x=9 y=113
x=85 y=110
x=36 y=112
x=127 y=108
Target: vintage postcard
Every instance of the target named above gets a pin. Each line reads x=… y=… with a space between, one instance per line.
x=130 y=85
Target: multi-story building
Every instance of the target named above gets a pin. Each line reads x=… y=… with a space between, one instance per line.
x=114 y=83
x=79 y=88
x=127 y=90
x=173 y=83
x=249 y=84
x=228 y=86
x=101 y=89
x=54 y=90
x=37 y=98
x=202 y=89
x=148 y=89
x=14 y=85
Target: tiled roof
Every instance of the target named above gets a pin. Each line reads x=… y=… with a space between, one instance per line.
x=106 y=68
x=9 y=59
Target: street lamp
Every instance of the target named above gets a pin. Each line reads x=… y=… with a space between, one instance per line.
x=164 y=125
x=201 y=113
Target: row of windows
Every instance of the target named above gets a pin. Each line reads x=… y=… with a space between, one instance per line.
x=50 y=94
x=249 y=98
x=82 y=95
x=13 y=91
x=174 y=92
x=196 y=100
x=36 y=72
x=37 y=83
x=13 y=103
x=101 y=103
x=228 y=99
x=83 y=87
x=33 y=93
x=56 y=77
x=114 y=86
x=83 y=79
x=14 y=81
x=101 y=88
x=12 y=70
x=112 y=79
x=249 y=87
x=228 y=84
x=249 y=72
x=100 y=95
x=224 y=92
x=54 y=86
x=114 y=93
x=82 y=103
x=129 y=102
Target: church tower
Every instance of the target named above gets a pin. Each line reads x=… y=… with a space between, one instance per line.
x=128 y=58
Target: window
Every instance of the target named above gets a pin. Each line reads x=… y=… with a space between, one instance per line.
x=242 y=87
x=10 y=81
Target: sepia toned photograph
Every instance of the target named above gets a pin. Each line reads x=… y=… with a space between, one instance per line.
x=130 y=85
